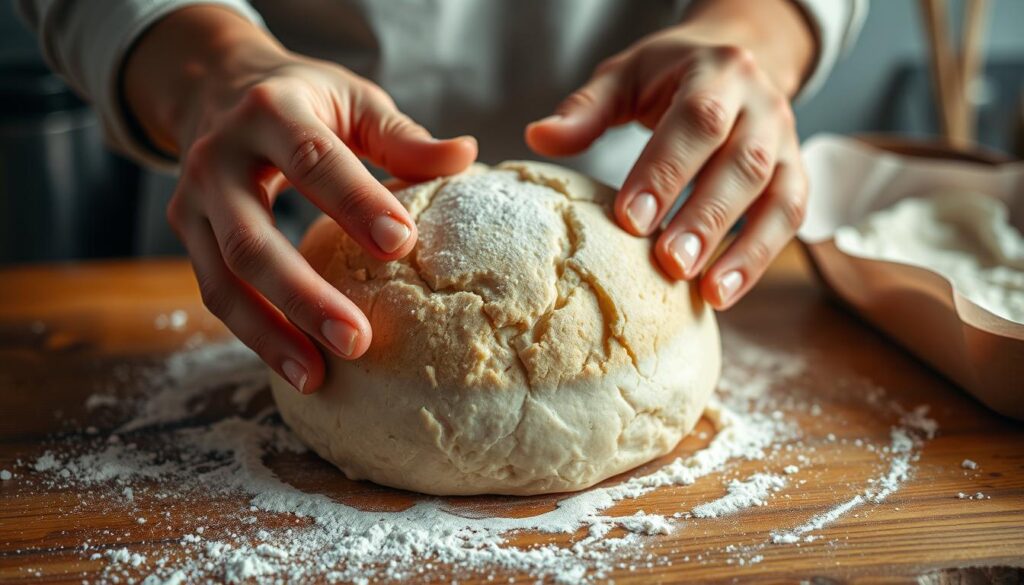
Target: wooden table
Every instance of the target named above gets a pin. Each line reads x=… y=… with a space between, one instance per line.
x=63 y=328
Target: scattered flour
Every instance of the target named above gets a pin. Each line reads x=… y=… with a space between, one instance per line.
x=968 y=464
x=817 y=522
x=46 y=463
x=188 y=377
x=977 y=496
x=100 y=401
x=163 y=453
x=125 y=556
x=902 y=451
x=753 y=491
x=175 y=320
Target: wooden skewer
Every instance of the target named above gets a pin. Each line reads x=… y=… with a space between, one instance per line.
x=944 y=71
x=971 y=60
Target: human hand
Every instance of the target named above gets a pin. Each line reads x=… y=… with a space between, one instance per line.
x=722 y=119
x=247 y=118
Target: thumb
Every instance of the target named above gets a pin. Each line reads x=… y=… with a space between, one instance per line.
x=581 y=119
x=405 y=149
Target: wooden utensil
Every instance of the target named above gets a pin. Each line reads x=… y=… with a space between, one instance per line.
x=955 y=74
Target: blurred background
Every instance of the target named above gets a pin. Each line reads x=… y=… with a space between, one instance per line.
x=64 y=196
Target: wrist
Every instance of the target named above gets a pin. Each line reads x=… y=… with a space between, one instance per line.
x=186 y=60
x=776 y=32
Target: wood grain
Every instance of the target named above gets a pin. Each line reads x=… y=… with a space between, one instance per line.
x=64 y=329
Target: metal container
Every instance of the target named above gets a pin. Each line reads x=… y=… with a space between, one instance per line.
x=63 y=195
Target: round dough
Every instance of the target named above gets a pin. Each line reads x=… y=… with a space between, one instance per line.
x=526 y=345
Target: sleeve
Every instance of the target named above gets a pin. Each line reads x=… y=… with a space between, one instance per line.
x=87 y=46
x=836 y=25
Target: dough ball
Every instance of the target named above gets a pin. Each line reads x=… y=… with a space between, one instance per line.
x=526 y=345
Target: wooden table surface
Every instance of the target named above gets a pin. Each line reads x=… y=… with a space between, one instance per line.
x=64 y=327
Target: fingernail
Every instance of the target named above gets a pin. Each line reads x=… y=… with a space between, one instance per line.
x=641 y=211
x=295 y=373
x=341 y=336
x=685 y=249
x=728 y=285
x=464 y=138
x=389 y=233
x=551 y=118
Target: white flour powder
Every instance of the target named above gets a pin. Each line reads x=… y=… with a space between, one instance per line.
x=753 y=491
x=965 y=237
x=162 y=454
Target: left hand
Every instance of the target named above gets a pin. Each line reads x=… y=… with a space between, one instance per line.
x=720 y=120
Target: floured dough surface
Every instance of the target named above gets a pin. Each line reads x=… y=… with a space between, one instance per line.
x=526 y=345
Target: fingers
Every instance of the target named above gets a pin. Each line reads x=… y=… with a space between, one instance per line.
x=257 y=253
x=405 y=149
x=582 y=118
x=250 y=275
x=771 y=224
x=694 y=126
x=731 y=180
x=249 y=316
x=321 y=167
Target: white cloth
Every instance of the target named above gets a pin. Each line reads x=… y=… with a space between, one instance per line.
x=456 y=66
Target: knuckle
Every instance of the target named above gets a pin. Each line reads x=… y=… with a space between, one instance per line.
x=781 y=107
x=376 y=93
x=217 y=299
x=712 y=217
x=312 y=159
x=201 y=156
x=667 y=174
x=754 y=163
x=580 y=99
x=243 y=250
x=740 y=57
x=706 y=114
x=803 y=185
x=759 y=254
x=400 y=125
x=175 y=212
x=610 y=63
x=261 y=98
x=261 y=342
x=295 y=304
x=355 y=198
x=794 y=209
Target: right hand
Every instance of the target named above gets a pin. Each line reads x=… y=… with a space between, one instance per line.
x=247 y=118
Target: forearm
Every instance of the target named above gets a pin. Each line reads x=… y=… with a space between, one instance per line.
x=183 y=59
x=776 y=32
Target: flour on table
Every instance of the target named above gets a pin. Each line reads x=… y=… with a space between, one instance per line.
x=97 y=400
x=965 y=237
x=976 y=496
x=176 y=320
x=754 y=491
x=167 y=455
